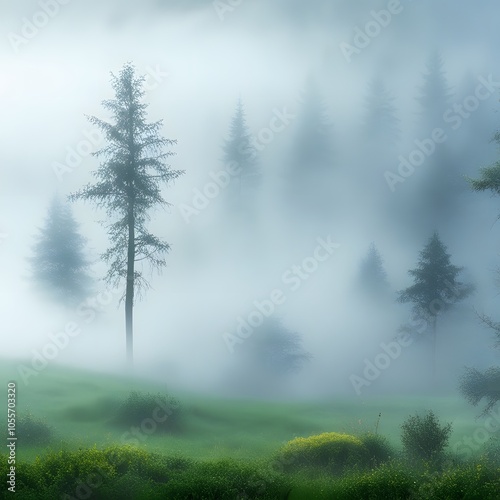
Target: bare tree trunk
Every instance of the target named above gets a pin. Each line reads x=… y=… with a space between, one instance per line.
x=129 y=293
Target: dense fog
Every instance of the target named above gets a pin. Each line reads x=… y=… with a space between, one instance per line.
x=365 y=118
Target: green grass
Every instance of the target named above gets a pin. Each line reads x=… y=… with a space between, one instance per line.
x=79 y=406
x=223 y=447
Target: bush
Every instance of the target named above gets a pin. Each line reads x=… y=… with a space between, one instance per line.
x=32 y=431
x=330 y=451
x=139 y=406
x=474 y=482
x=122 y=472
x=492 y=450
x=385 y=482
x=378 y=449
x=227 y=479
x=423 y=438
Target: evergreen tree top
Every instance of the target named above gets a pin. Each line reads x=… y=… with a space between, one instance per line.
x=435 y=284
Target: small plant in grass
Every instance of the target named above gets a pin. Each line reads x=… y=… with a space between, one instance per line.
x=32 y=431
x=162 y=409
x=424 y=438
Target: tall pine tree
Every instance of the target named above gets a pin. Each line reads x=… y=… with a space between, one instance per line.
x=129 y=183
x=436 y=287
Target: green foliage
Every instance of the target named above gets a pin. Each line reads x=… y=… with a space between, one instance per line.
x=378 y=449
x=124 y=472
x=473 y=482
x=492 y=450
x=32 y=431
x=107 y=474
x=330 y=451
x=163 y=409
x=423 y=438
x=226 y=479
x=384 y=482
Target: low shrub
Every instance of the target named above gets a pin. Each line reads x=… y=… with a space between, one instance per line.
x=32 y=431
x=161 y=409
x=330 y=451
x=122 y=472
x=378 y=449
x=385 y=482
x=423 y=437
x=473 y=481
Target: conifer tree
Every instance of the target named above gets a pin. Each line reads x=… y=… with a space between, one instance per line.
x=59 y=264
x=240 y=157
x=129 y=183
x=436 y=287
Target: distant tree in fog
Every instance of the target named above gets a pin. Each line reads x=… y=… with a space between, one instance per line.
x=240 y=159
x=372 y=275
x=434 y=94
x=309 y=171
x=59 y=265
x=381 y=126
x=441 y=183
x=129 y=183
x=267 y=357
x=276 y=349
x=435 y=288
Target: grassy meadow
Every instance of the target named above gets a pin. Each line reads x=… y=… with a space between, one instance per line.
x=79 y=408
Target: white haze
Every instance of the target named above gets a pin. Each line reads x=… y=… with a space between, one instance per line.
x=263 y=52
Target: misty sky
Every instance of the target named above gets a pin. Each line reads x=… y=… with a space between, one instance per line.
x=199 y=57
